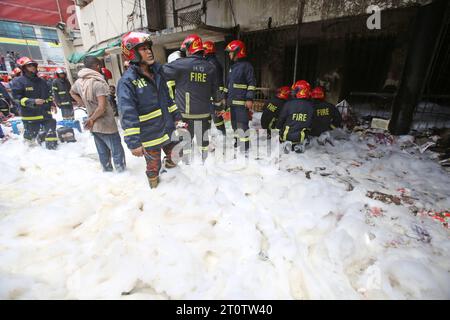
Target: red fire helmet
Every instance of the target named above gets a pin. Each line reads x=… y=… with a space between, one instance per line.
x=24 y=61
x=284 y=92
x=318 y=93
x=238 y=47
x=302 y=89
x=192 y=44
x=209 y=47
x=16 y=72
x=129 y=43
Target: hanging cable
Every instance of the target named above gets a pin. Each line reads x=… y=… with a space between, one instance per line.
x=232 y=12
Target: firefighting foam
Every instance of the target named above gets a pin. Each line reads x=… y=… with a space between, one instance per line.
x=221 y=231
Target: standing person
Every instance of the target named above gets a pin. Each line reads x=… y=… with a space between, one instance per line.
x=5 y=107
x=196 y=84
x=16 y=73
x=112 y=99
x=326 y=115
x=48 y=78
x=32 y=94
x=210 y=56
x=10 y=59
x=272 y=109
x=5 y=102
x=92 y=91
x=16 y=57
x=296 y=118
x=61 y=94
x=2 y=62
x=240 y=92
x=146 y=110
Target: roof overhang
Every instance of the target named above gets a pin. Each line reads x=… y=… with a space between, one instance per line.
x=173 y=37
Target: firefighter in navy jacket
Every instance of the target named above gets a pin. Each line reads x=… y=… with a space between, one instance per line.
x=146 y=110
x=196 y=84
x=210 y=55
x=296 y=117
x=272 y=108
x=61 y=94
x=326 y=115
x=5 y=101
x=240 y=90
x=33 y=96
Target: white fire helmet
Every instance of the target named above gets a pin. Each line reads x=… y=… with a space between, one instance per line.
x=174 y=56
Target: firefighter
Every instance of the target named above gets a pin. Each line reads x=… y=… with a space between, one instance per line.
x=272 y=109
x=240 y=92
x=326 y=115
x=112 y=99
x=196 y=84
x=61 y=94
x=147 y=112
x=13 y=76
x=5 y=103
x=32 y=94
x=16 y=73
x=296 y=118
x=210 y=55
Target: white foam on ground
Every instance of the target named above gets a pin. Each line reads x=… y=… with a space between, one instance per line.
x=220 y=231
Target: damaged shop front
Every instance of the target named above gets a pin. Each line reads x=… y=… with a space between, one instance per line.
x=361 y=66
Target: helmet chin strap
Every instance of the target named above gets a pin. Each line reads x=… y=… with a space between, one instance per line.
x=233 y=55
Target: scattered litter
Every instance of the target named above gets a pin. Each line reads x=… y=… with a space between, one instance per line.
x=420 y=234
x=349 y=118
x=441 y=216
x=425 y=146
x=378 y=123
x=376 y=212
x=389 y=199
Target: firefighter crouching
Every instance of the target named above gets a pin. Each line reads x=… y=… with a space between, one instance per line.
x=61 y=94
x=240 y=92
x=326 y=116
x=32 y=94
x=196 y=84
x=210 y=55
x=296 y=118
x=272 y=108
x=146 y=110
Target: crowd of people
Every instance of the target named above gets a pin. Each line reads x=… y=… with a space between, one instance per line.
x=153 y=101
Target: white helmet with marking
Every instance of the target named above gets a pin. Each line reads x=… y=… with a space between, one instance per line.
x=174 y=56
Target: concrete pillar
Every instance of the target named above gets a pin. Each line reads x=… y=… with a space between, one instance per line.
x=68 y=49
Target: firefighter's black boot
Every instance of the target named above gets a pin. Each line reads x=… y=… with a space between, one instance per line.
x=51 y=140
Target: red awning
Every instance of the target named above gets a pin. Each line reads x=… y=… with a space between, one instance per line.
x=39 y=12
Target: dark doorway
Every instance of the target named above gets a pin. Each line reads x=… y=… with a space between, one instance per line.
x=366 y=64
x=307 y=63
